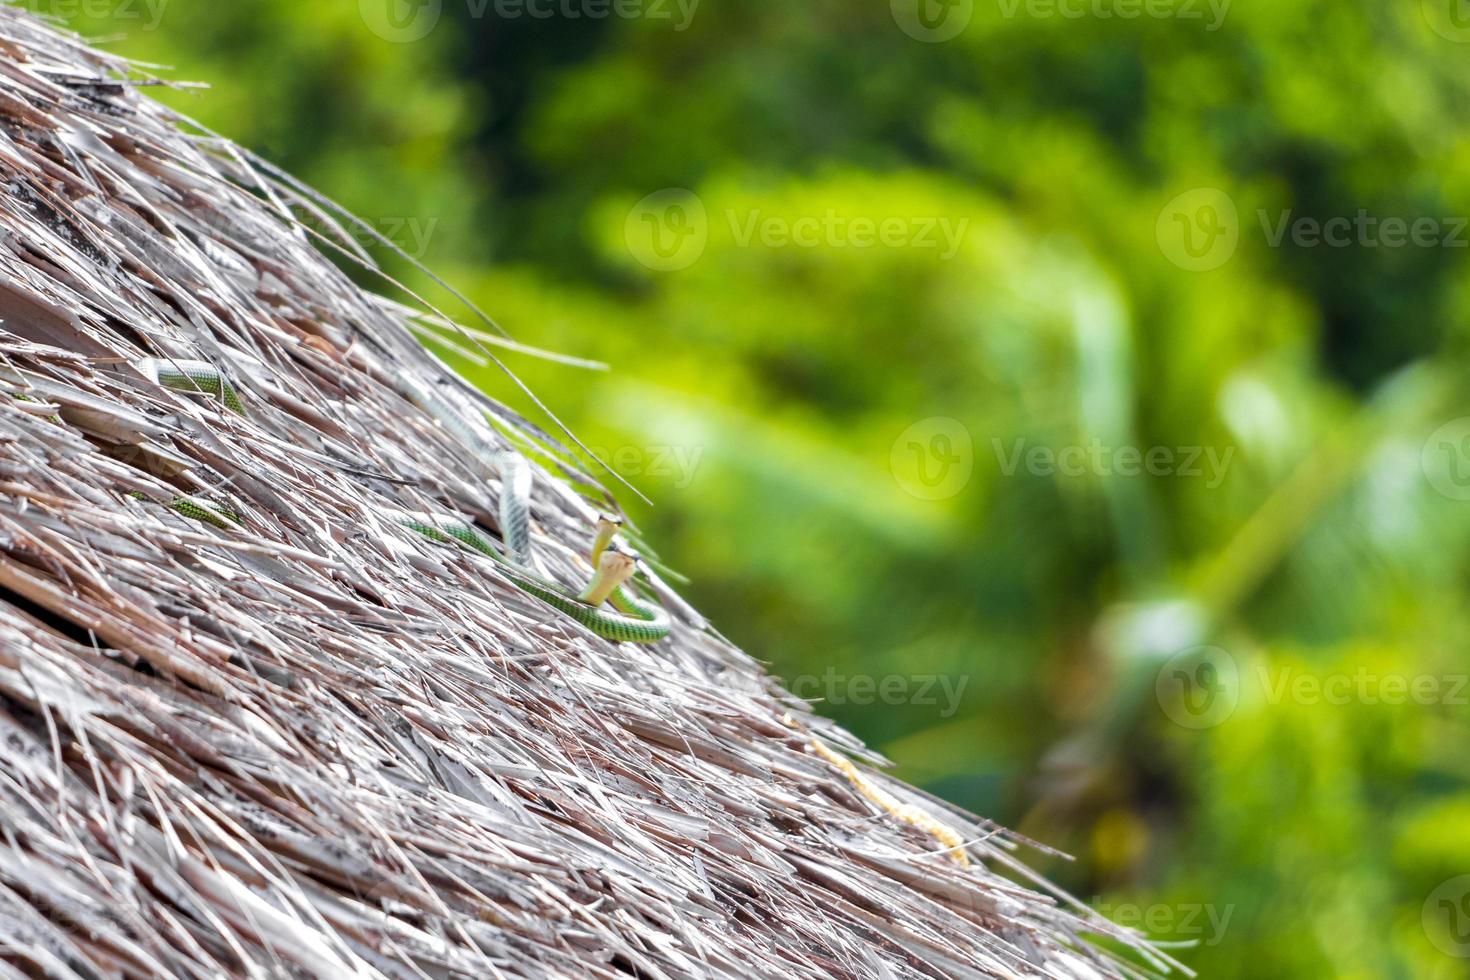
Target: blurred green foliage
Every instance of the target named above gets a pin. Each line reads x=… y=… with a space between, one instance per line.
x=776 y=394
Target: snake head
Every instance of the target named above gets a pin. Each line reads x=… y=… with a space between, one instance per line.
x=614 y=568
x=608 y=526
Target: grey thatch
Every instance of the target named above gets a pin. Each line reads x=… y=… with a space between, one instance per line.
x=319 y=745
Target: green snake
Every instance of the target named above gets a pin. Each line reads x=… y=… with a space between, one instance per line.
x=199 y=376
x=196 y=509
x=636 y=622
x=634 y=619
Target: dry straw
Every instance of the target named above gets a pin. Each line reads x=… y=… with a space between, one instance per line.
x=318 y=745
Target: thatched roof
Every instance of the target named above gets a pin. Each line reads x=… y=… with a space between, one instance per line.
x=319 y=745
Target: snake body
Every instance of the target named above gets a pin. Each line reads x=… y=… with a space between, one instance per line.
x=634 y=621
x=514 y=472
x=215 y=515
x=200 y=376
